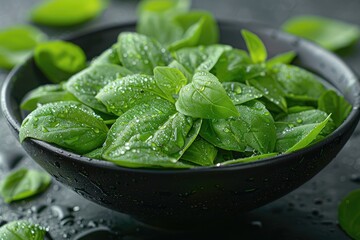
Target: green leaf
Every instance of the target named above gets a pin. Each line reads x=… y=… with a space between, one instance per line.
x=95 y=154
x=86 y=84
x=240 y=93
x=179 y=66
x=17 y=44
x=109 y=56
x=22 y=230
x=329 y=33
x=191 y=37
x=255 y=47
x=150 y=135
x=348 y=214
x=249 y=159
x=70 y=125
x=209 y=30
x=59 y=60
x=205 y=97
x=200 y=58
x=298 y=82
x=235 y=65
x=253 y=128
x=336 y=105
x=141 y=54
x=284 y=58
x=168 y=82
x=157 y=19
x=271 y=90
x=22 y=184
x=124 y=93
x=65 y=13
x=45 y=94
x=201 y=153
x=294 y=138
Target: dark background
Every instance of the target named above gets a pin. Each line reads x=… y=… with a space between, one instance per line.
x=309 y=212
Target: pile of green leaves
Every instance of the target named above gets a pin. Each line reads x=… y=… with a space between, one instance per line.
x=176 y=98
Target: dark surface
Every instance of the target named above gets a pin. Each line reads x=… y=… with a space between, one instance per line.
x=307 y=213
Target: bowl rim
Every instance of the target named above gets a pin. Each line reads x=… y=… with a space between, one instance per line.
x=353 y=117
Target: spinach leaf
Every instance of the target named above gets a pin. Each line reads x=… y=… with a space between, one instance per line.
x=271 y=90
x=294 y=138
x=17 y=44
x=348 y=214
x=284 y=58
x=298 y=82
x=70 y=125
x=240 y=93
x=124 y=93
x=235 y=65
x=335 y=105
x=22 y=184
x=248 y=159
x=255 y=47
x=86 y=84
x=22 y=230
x=95 y=154
x=205 y=97
x=157 y=19
x=305 y=117
x=141 y=54
x=168 y=82
x=296 y=109
x=179 y=66
x=253 y=128
x=201 y=153
x=45 y=94
x=109 y=56
x=59 y=60
x=150 y=135
x=200 y=58
x=209 y=31
x=65 y=13
x=191 y=37
x=329 y=33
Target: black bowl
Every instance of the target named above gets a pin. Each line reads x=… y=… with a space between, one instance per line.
x=177 y=198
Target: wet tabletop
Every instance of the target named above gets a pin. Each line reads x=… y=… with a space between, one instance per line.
x=309 y=212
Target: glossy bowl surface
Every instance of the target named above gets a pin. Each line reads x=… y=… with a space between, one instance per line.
x=178 y=198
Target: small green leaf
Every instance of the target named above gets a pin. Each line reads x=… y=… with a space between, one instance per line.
x=45 y=94
x=157 y=19
x=150 y=135
x=65 y=13
x=191 y=37
x=329 y=33
x=298 y=82
x=95 y=154
x=86 y=84
x=336 y=105
x=70 y=125
x=201 y=153
x=200 y=58
x=255 y=46
x=240 y=93
x=179 y=66
x=293 y=138
x=205 y=97
x=271 y=90
x=254 y=128
x=22 y=184
x=348 y=214
x=209 y=30
x=59 y=60
x=141 y=54
x=124 y=93
x=284 y=58
x=17 y=44
x=168 y=81
x=249 y=159
x=22 y=230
